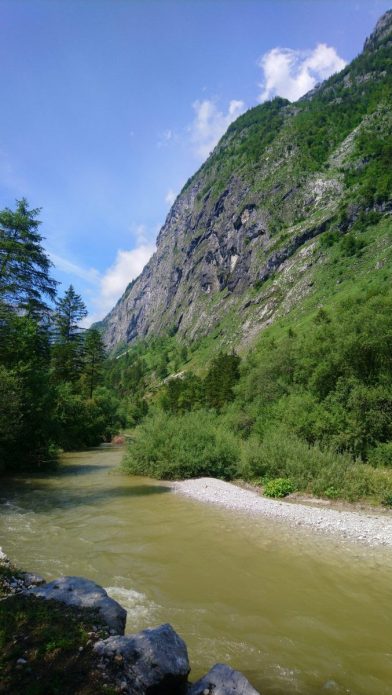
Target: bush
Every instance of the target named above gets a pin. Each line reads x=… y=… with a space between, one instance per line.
x=183 y=446
x=281 y=454
x=381 y=455
x=325 y=473
x=279 y=487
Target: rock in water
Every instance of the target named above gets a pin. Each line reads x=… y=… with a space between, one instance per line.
x=155 y=660
x=223 y=680
x=83 y=593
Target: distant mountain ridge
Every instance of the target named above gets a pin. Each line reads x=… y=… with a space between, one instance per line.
x=242 y=243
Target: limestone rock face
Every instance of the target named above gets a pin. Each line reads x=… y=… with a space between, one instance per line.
x=229 y=256
x=223 y=680
x=153 y=661
x=83 y=593
x=382 y=30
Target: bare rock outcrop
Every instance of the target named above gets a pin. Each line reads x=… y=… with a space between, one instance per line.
x=154 y=660
x=83 y=593
x=222 y=680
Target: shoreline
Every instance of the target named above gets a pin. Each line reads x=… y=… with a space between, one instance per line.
x=372 y=529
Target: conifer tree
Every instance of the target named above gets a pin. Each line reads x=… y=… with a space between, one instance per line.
x=71 y=309
x=68 y=348
x=93 y=360
x=25 y=281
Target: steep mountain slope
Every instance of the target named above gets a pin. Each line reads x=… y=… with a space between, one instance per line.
x=245 y=239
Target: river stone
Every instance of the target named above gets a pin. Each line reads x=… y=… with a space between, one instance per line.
x=32 y=579
x=83 y=593
x=222 y=680
x=155 y=660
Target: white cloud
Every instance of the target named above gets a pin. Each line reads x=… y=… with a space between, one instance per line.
x=127 y=266
x=67 y=266
x=210 y=124
x=107 y=287
x=289 y=73
x=170 y=197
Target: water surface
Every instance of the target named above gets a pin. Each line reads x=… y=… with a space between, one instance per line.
x=296 y=612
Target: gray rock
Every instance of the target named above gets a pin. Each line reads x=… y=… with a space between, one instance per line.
x=31 y=579
x=223 y=680
x=154 y=660
x=83 y=593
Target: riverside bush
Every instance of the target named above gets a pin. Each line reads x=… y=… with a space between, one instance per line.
x=322 y=472
x=279 y=487
x=381 y=455
x=183 y=446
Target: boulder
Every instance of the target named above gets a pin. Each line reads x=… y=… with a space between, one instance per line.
x=154 y=661
x=31 y=579
x=83 y=593
x=222 y=680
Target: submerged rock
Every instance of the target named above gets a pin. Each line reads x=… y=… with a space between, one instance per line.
x=83 y=593
x=154 y=660
x=222 y=680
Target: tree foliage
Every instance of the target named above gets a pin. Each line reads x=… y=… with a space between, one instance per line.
x=25 y=281
x=50 y=371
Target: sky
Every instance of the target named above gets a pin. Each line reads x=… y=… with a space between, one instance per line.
x=108 y=106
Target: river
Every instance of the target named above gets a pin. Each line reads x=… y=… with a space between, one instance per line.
x=295 y=611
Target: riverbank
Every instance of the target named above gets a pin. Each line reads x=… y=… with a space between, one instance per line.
x=68 y=636
x=373 y=529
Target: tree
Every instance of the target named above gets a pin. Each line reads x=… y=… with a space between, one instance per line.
x=25 y=282
x=71 y=309
x=93 y=360
x=26 y=422
x=68 y=348
x=25 y=288
x=220 y=379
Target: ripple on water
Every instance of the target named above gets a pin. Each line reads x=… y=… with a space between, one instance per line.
x=140 y=609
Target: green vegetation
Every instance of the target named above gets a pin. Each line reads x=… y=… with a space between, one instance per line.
x=279 y=487
x=53 y=642
x=309 y=403
x=51 y=371
x=277 y=148
x=183 y=446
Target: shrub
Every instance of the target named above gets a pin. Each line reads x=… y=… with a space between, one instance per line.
x=282 y=454
x=183 y=446
x=279 y=487
x=381 y=455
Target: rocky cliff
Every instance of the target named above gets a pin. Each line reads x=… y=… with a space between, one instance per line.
x=241 y=243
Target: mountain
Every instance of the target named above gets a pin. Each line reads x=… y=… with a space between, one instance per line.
x=249 y=238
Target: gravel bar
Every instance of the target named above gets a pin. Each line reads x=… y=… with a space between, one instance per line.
x=372 y=529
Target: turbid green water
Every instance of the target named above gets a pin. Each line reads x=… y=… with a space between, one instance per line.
x=296 y=613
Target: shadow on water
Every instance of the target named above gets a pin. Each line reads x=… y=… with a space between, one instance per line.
x=41 y=500
x=78 y=469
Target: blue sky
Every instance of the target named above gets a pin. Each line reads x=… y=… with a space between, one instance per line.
x=108 y=106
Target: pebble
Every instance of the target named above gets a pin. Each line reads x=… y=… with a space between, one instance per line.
x=352 y=525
